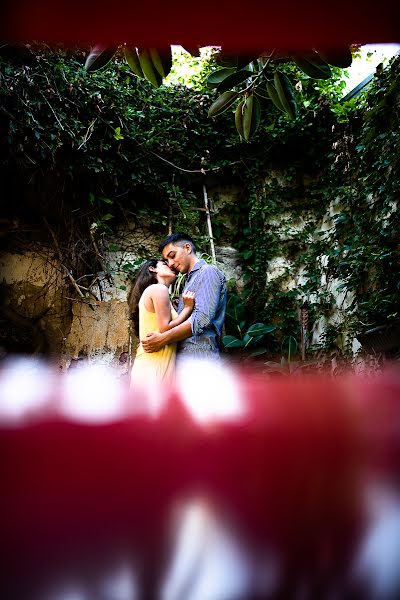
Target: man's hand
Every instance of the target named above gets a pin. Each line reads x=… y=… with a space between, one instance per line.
x=153 y=342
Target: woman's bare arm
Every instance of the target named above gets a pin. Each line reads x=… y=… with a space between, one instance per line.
x=162 y=307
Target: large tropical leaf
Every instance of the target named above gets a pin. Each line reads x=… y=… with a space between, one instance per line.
x=285 y=94
x=251 y=341
x=337 y=57
x=132 y=59
x=261 y=92
x=235 y=79
x=312 y=65
x=162 y=60
x=235 y=310
x=239 y=118
x=215 y=78
x=260 y=329
x=148 y=68
x=273 y=94
x=222 y=103
x=230 y=341
x=99 y=57
x=251 y=116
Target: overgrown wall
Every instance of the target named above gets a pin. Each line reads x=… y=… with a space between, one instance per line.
x=307 y=211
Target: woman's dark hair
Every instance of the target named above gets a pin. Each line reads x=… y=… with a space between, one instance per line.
x=143 y=279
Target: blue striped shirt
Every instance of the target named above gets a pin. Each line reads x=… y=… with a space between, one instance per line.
x=207 y=319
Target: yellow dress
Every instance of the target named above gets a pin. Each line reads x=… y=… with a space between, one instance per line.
x=149 y=367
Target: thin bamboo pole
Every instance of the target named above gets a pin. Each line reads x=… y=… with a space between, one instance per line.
x=210 y=232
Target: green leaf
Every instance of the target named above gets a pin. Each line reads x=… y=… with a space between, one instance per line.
x=337 y=57
x=239 y=118
x=222 y=103
x=236 y=310
x=230 y=341
x=312 y=65
x=131 y=57
x=260 y=329
x=252 y=341
x=217 y=76
x=162 y=60
x=99 y=57
x=248 y=341
x=235 y=79
x=118 y=135
x=148 y=68
x=273 y=94
x=259 y=91
x=251 y=116
x=285 y=94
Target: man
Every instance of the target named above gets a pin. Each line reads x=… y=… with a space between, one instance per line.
x=200 y=335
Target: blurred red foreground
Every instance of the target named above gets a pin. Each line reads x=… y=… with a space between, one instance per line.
x=290 y=474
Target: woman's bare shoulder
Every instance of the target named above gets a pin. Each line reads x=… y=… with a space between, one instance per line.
x=157 y=290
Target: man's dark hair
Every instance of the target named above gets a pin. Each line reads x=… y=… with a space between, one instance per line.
x=180 y=239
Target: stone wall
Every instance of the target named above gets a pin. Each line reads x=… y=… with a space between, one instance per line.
x=40 y=307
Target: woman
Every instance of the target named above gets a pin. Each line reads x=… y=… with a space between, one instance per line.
x=151 y=310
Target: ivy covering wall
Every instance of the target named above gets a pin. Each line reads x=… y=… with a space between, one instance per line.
x=84 y=154
x=335 y=219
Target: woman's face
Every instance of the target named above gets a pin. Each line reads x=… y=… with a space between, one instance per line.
x=164 y=271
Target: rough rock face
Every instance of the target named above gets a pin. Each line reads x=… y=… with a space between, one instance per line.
x=39 y=314
x=100 y=331
x=229 y=261
x=35 y=311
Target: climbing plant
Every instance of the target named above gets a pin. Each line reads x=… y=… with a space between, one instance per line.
x=338 y=232
x=243 y=80
x=90 y=151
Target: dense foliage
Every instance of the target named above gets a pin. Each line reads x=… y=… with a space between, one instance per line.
x=84 y=153
x=242 y=80
x=340 y=230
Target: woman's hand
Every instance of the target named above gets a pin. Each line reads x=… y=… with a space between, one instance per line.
x=188 y=299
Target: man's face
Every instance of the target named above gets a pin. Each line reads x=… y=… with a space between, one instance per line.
x=177 y=257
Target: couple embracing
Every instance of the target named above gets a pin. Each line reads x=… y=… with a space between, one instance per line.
x=194 y=330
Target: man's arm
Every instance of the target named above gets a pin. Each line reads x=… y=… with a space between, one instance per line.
x=155 y=341
x=208 y=297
